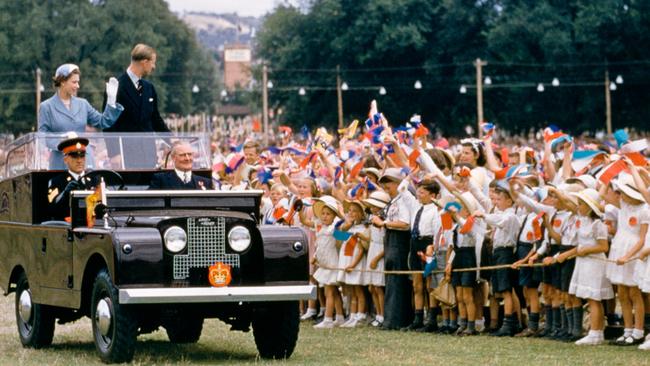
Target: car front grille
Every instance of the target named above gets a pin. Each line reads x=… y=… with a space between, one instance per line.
x=206 y=245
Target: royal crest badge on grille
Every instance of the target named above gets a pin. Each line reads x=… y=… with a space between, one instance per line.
x=219 y=275
x=206 y=245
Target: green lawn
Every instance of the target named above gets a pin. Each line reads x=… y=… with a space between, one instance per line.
x=362 y=346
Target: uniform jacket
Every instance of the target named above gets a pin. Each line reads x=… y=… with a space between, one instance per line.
x=59 y=199
x=170 y=180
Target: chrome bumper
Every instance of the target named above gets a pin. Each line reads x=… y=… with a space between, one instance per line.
x=177 y=295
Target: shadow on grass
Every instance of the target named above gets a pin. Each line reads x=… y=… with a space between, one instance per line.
x=164 y=352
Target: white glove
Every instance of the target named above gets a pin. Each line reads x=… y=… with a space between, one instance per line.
x=111 y=91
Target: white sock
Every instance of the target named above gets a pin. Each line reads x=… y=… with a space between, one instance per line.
x=310 y=311
x=379 y=318
x=328 y=319
x=637 y=333
x=321 y=312
x=361 y=316
x=627 y=332
x=340 y=317
x=479 y=322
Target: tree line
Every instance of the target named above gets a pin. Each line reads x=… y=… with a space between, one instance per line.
x=393 y=43
x=97 y=35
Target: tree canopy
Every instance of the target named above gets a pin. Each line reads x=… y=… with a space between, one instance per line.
x=98 y=36
x=393 y=43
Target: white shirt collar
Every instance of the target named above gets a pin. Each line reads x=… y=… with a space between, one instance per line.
x=181 y=174
x=75 y=175
x=134 y=78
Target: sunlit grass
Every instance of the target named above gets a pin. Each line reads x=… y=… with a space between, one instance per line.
x=362 y=346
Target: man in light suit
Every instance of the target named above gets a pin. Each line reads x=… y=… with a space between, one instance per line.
x=181 y=177
x=140 y=101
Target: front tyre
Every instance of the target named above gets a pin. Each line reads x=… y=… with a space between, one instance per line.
x=275 y=328
x=114 y=327
x=35 y=321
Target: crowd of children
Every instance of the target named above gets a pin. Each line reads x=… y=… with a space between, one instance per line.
x=528 y=239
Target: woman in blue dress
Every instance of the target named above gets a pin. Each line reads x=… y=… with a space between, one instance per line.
x=65 y=112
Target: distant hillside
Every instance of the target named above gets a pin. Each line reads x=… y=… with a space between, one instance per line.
x=216 y=30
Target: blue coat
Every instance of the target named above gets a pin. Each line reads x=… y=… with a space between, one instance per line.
x=54 y=117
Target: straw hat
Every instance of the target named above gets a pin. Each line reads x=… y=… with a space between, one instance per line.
x=378 y=199
x=625 y=184
x=586 y=180
x=373 y=171
x=592 y=199
x=470 y=203
x=450 y=158
x=329 y=202
x=349 y=203
x=392 y=174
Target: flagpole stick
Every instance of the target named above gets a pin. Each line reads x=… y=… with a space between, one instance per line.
x=102 y=187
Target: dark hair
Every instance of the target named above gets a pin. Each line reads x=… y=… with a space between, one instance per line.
x=430 y=186
x=58 y=80
x=440 y=159
x=478 y=150
x=371 y=162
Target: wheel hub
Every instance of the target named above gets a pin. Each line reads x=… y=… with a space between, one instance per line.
x=25 y=306
x=103 y=316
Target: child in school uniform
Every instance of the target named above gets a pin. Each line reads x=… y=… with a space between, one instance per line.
x=589 y=281
x=352 y=258
x=424 y=224
x=468 y=233
x=376 y=202
x=558 y=223
x=631 y=230
x=527 y=241
x=326 y=216
x=506 y=227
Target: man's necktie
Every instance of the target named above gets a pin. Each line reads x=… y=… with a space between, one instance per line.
x=186 y=177
x=415 y=233
x=139 y=88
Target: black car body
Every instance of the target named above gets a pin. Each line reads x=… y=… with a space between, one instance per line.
x=125 y=270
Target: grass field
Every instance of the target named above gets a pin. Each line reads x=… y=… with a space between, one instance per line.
x=361 y=346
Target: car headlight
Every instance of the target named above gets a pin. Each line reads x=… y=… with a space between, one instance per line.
x=239 y=238
x=175 y=239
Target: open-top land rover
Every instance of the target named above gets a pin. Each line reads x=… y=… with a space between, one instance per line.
x=147 y=259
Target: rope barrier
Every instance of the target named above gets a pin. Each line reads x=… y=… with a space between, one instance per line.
x=486 y=268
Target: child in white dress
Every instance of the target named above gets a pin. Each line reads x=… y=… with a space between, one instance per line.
x=326 y=211
x=589 y=280
x=631 y=230
x=375 y=257
x=352 y=258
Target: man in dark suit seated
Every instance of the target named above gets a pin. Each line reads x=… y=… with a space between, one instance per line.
x=59 y=187
x=181 y=177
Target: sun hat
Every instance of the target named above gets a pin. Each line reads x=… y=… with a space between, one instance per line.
x=625 y=184
x=349 y=203
x=592 y=199
x=470 y=203
x=392 y=174
x=585 y=179
x=329 y=202
x=378 y=199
